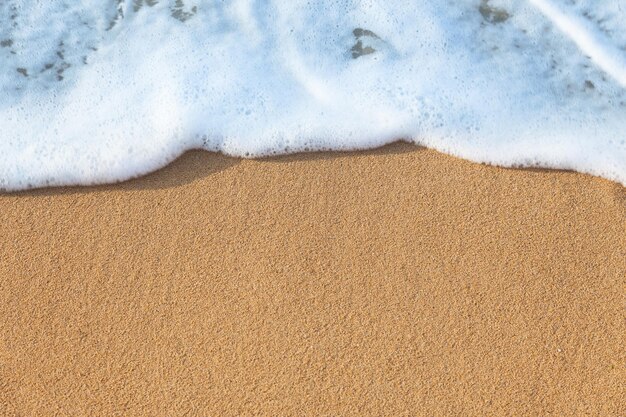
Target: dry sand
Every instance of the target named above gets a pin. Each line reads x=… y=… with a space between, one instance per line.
x=396 y=282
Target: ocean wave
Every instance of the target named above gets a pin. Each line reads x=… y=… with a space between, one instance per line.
x=95 y=91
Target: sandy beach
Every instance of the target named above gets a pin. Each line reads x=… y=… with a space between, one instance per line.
x=399 y=282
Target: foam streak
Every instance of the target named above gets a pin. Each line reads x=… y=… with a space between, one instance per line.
x=591 y=42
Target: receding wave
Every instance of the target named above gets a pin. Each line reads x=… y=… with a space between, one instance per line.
x=96 y=91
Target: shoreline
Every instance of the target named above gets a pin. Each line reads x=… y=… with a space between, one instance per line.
x=395 y=281
x=406 y=146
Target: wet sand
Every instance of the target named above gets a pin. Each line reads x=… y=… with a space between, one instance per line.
x=397 y=282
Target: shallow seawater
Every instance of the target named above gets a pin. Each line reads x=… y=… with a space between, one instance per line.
x=98 y=91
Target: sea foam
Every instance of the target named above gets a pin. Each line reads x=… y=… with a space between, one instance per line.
x=96 y=91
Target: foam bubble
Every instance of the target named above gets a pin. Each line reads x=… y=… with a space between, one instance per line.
x=99 y=91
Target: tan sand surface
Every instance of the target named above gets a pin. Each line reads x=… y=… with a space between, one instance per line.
x=397 y=282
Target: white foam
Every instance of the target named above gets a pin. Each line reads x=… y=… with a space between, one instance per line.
x=590 y=40
x=94 y=91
